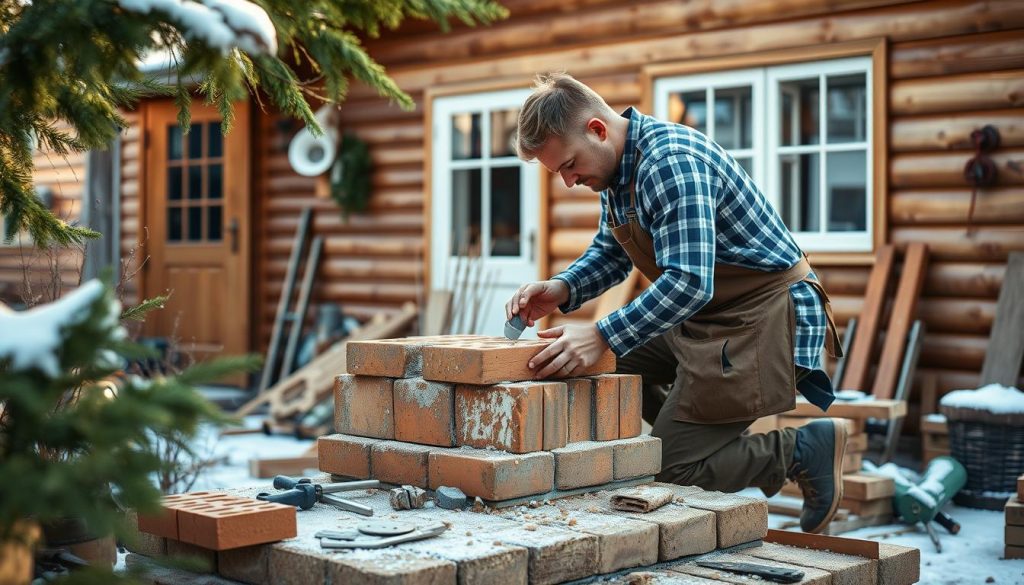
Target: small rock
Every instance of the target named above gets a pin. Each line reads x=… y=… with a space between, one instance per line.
x=399 y=499
x=478 y=505
x=469 y=533
x=530 y=527
x=534 y=504
x=417 y=496
x=572 y=522
x=990 y=580
x=450 y=498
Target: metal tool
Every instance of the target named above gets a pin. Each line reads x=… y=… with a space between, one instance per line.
x=377 y=535
x=514 y=327
x=304 y=494
x=766 y=572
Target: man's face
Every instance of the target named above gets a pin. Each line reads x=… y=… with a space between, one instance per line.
x=582 y=159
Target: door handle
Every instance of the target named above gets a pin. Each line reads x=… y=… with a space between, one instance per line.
x=233 y=233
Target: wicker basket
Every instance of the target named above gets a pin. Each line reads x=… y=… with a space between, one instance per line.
x=991 y=448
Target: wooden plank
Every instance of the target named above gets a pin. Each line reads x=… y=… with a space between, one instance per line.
x=866 y=487
x=437 y=315
x=855 y=374
x=952 y=131
x=847 y=546
x=964 y=54
x=904 y=307
x=270 y=467
x=1006 y=345
x=883 y=409
x=969 y=92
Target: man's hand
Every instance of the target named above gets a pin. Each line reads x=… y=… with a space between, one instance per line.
x=576 y=348
x=536 y=300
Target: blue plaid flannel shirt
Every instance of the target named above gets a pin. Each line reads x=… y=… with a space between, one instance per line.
x=700 y=207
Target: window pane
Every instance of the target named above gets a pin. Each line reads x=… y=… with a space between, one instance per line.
x=174 y=224
x=195 y=182
x=174 y=142
x=847 y=108
x=214 y=177
x=689 y=108
x=195 y=141
x=846 y=184
x=195 y=223
x=747 y=163
x=465 y=136
x=733 y=121
x=800 y=197
x=505 y=220
x=465 y=212
x=174 y=183
x=213 y=223
x=503 y=132
x=214 y=140
x=798 y=119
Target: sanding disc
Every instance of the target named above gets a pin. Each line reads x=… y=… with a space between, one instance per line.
x=386 y=528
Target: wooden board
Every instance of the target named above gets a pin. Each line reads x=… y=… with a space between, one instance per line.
x=1006 y=343
x=847 y=546
x=903 y=312
x=884 y=409
x=866 y=487
x=858 y=363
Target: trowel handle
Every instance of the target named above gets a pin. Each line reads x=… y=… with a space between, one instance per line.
x=283 y=482
x=947 y=522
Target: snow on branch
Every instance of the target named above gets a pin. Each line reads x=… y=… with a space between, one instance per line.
x=223 y=24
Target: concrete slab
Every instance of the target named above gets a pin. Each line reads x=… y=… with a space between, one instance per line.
x=845 y=569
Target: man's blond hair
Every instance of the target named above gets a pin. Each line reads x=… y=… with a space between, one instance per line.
x=558 y=105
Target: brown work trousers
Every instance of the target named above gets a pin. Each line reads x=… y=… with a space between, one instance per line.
x=711 y=456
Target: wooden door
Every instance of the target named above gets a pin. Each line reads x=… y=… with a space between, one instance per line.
x=198 y=244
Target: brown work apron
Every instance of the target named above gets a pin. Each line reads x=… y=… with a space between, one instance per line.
x=736 y=353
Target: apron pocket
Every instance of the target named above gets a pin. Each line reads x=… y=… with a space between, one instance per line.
x=721 y=377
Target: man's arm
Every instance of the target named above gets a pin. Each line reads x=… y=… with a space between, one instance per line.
x=681 y=194
x=603 y=265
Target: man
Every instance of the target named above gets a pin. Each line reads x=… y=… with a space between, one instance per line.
x=734 y=319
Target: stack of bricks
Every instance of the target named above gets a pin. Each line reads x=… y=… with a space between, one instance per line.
x=1014 y=539
x=465 y=412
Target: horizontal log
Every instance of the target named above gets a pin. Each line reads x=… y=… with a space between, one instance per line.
x=573 y=213
x=349 y=291
x=845 y=307
x=958 y=93
x=376 y=269
x=397 y=154
x=559 y=191
x=843 y=280
x=359 y=113
x=985 y=244
x=945 y=315
x=358 y=245
x=951 y=350
x=958 y=279
x=918 y=207
x=289 y=183
x=953 y=131
x=363 y=312
x=406 y=176
x=963 y=54
x=334 y=224
x=570 y=242
x=386 y=133
x=383 y=200
x=946 y=169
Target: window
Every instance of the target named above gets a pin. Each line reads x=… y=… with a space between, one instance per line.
x=802 y=131
x=195 y=184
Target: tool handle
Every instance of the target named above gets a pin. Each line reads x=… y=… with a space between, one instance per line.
x=347 y=486
x=347 y=505
x=766 y=572
x=947 y=522
x=283 y=482
x=303 y=496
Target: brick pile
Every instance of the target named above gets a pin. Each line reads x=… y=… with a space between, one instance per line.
x=1014 y=535
x=464 y=411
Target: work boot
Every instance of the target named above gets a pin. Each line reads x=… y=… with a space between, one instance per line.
x=817 y=467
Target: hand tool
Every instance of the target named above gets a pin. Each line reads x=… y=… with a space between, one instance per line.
x=514 y=327
x=766 y=572
x=303 y=493
x=377 y=535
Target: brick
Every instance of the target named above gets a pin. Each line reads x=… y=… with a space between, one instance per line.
x=1014 y=512
x=166 y=523
x=492 y=360
x=223 y=521
x=812 y=576
x=1013 y=552
x=868 y=487
x=857 y=443
x=248 y=564
x=636 y=457
x=345 y=455
x=845 y=569
x=140 y=542
x=287 y=566
x=630 y=402
x=583 y=464
x=492 y=475
x=509 y=417
x=739 y=519
x=659 y=577
x=425 y=412
x=1014 y=535
x=852 y=462
x=556 y=415
x=898 y=565
x=606 y=408
x=364 y=406
x=581 y=409
x=390 y=567
x=205 y=559
x=556 y=555
x=470 y=543
x=400 y=463
x=394 y=358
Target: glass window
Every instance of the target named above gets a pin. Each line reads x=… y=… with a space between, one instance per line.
x=505 y=211
x=503 y=132
x=466 y=136
x=195 y=141
x=466 y=214
x=214 y=140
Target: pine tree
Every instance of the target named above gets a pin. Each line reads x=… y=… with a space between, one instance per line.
x=76 y=62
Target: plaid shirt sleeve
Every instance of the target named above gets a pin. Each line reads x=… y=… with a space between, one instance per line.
x=603 y=265
x=680 y=193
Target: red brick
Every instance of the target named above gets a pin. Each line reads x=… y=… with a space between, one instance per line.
x=363 y=405
x=509 y=417
x=636 y=457
x=606 y=408
x=393 y=358
x=223 y=521
x=556 y=415
x=345 y=455
x=400 y=463
x=583 y=464
x=492 y=360
x=425 y=412
x=166 y=523
x=581 y=409
x=492 y=475
x=630 y=400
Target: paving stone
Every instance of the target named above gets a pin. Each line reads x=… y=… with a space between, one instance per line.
x=606 y=408
x=400 y=463
x=206 y=558
x=740 y=519
x=898 y=565
x=580 y=393
x=845 y=569
x=140 y=542
x=166 y=523
x=425 y=412
x=556 y=555
x=290 y=566
x=812 y=576
x=389 y=567
x=659 y=577
x=508 y=417
x=393 y=358
x=492 y=360
x=492 y=475
x=345 y=455
x=636 y=457
x=163 y=575
x=364 y=406
x=248 y=564
x=1014 y=512
x=583 y=464
x=222 y=521
x=630 y=402
x=556 y=415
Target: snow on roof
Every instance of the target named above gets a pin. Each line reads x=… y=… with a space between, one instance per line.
x=994 y=398
x=31 y=339
x=224 y=24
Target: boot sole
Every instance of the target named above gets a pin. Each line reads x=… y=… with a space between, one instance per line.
x=837 y=474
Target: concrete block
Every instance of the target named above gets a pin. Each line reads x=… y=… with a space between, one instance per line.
x=205 y=558
x=636 y=457
x=289 y=566
x=345 y=455
x=389 y=567
x=222 y=521
x=492 y=360
x=364 y=406
x=450 y=498
x=606 y=408
x=425 y=412
x=556 y=555
x=248 y=564
x=580 y=393
x=898 y=565
x=740 y=519
x=508 y=417
x=583 y=464
x=812 y=576
x=400 y=463
x=556 y=415
x=492 y=475
x=659 y=577
x=845 y=569
x=1014 y=512
x=140 y=542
